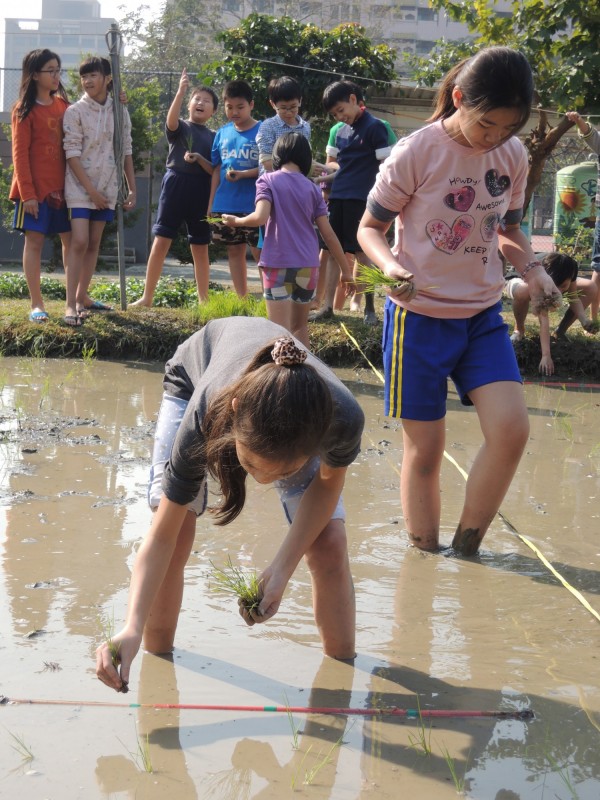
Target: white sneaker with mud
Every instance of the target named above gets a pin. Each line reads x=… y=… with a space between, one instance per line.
x=516 y=337
x=370 y=318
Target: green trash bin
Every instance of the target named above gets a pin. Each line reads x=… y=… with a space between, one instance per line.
x=574 y=198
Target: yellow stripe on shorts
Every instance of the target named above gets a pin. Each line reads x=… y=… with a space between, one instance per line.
x=396 y=365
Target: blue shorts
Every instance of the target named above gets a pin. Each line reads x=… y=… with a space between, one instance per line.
x=169 y=419
x=49 y=221
x=93 y=214
x=183 y=198
x=420 y=353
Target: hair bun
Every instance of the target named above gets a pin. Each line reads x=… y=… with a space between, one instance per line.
x=286 y=353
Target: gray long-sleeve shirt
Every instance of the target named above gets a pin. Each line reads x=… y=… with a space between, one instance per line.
x=213 y=359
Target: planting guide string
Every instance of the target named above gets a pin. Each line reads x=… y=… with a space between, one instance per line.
x=575 y=592
x=408 y=713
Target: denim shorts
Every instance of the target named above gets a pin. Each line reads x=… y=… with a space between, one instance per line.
x=169 y=419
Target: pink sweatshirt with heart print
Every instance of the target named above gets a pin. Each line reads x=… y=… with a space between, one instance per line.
x=450 y=201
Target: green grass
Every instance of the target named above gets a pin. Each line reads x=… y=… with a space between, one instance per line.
x=155 y=333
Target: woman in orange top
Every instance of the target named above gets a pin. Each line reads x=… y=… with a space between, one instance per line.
x=39 y=166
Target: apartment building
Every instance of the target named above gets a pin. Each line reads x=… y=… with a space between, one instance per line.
x=69 y=27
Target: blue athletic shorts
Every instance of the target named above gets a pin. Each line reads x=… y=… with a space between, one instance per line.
x=49 y=221
x=183 y=198
x=420 y=353
x=169 y=419
x=93 y=214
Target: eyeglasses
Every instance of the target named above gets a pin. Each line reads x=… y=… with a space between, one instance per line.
x=53 y=72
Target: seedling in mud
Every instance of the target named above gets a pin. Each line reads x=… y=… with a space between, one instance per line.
x=295 y=728
x=421 y=741
x=21 y=748
x=234 y=580
x=88 y=353
x=459 y=783
x=107 y=626
x=321 y=760
x=141 y=755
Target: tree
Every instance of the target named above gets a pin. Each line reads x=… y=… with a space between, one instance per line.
x=264 y=47
x=182 y=35
x=560 y=39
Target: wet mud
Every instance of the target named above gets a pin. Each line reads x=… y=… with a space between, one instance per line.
x=498 y=632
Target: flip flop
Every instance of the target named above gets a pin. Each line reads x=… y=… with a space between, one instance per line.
x=83 y=313
x=73 y=320
x=38 y=316
x=96 y=305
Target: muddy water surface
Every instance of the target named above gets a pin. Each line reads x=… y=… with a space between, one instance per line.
x=498 y=632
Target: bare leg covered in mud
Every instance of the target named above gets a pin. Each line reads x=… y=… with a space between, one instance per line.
x=504 y=423
x=333 y=591
x=505 y=426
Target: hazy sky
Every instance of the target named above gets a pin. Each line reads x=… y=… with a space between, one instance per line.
x=110 y=8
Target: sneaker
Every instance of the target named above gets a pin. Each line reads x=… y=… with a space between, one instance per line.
x=370 y=318
x=516 y=337
x=321 y=315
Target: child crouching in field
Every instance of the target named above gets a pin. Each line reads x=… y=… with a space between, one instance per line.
x=290 y=205
x=580 y=292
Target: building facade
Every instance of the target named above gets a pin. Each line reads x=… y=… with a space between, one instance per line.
x=71 y=28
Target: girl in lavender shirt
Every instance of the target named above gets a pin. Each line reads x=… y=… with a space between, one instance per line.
x=291 y=205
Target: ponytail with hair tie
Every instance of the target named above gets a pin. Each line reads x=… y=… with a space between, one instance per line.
x=286 y=353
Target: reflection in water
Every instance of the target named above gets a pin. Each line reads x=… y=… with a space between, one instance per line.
x=317 y=743
x=492 y=632
x=157 y=732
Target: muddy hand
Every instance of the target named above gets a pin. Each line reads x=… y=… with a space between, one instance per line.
x=406 y=289
x=113 y=661
x=272 y=592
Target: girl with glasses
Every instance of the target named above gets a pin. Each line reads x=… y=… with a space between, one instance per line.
x=39 y=166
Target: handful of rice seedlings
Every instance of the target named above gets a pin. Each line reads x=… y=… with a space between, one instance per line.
x=549 y=302
x=241 y=583
x=213 y=220
x=373 y=278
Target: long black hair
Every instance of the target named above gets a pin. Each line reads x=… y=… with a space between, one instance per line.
x=33 y=62
x=495 y=77
x=281 y=413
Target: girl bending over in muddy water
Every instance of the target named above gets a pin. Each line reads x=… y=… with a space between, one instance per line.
x=242 y=398
x=458 y=187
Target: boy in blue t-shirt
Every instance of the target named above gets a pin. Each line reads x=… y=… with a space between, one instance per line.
x=361 y=143
x=235 y=161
